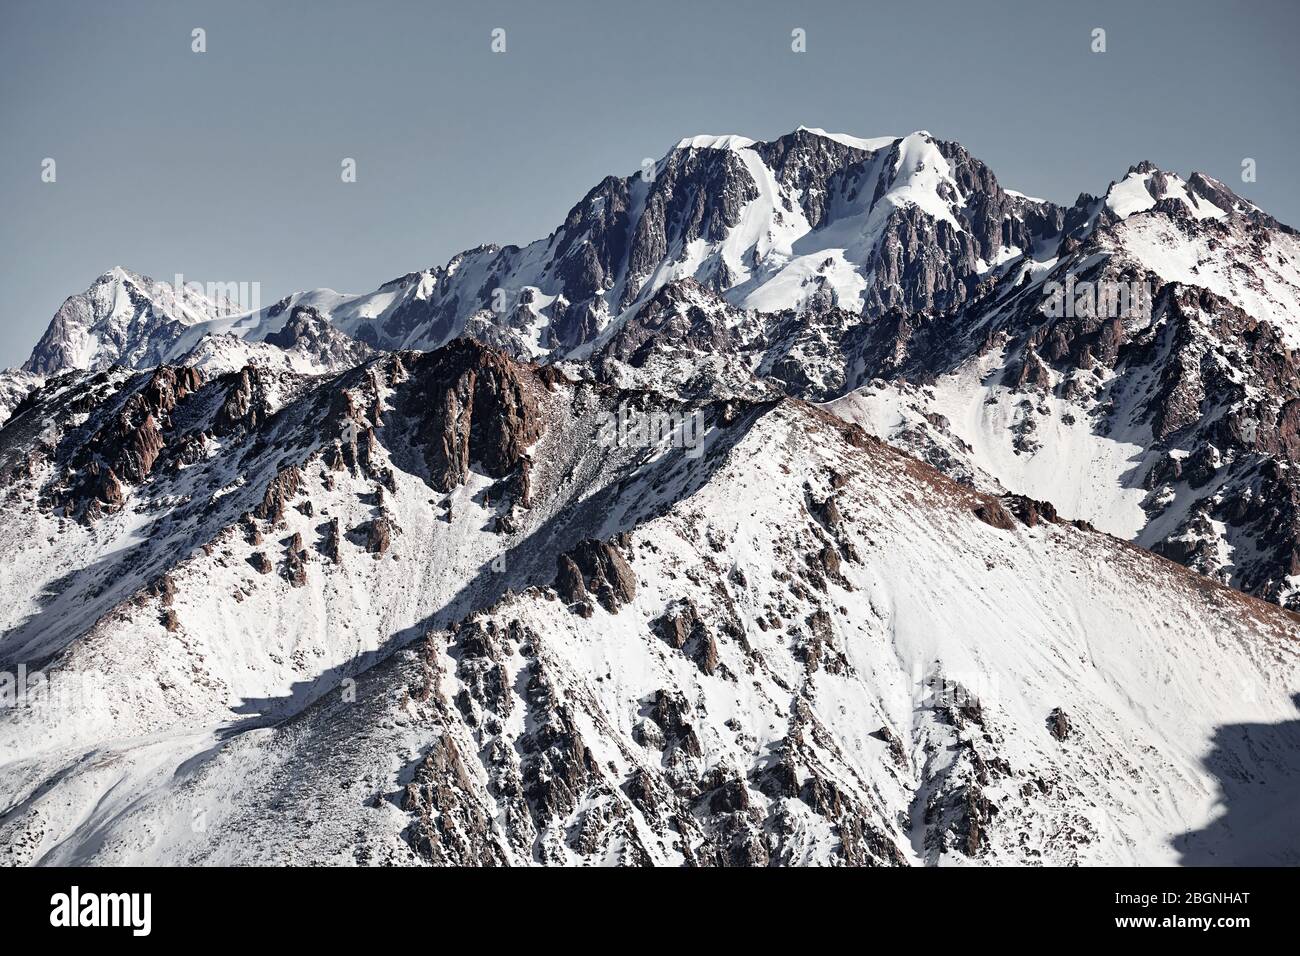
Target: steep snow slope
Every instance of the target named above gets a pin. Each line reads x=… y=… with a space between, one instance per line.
x=1170 y=420
x=785 y=643
x=975 y=427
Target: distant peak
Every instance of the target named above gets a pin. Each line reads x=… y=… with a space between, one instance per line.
x=708 y=141
x=1146 y=184
x=118 y=274
x=870 y=144
x=734 y=141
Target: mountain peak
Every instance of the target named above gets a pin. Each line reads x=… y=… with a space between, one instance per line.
x=870 y=144
x=1146 y=184
x=120 y=274
x=709 y=141
x=123 y=317
x=733 y=141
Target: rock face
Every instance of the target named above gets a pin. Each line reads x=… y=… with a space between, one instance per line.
x=311 y=335
x=278 y=494
x=684 y=630
x=731 y=628
x=133 y=428
x=452 y=829
x=379 y=535
x=713 y=262
x=472 y=405
x=333 y=545
x=933 y=217
x=569 y=581
x=994 y=514
x=1200 y=373
x=295 y=561
x=246 y=404
x=1058 y=724
x=597 y=568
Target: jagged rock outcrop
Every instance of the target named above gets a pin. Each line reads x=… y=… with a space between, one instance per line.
x=246 y=404
x=473 y=405
x=793 y=586
x=295 y=561
x=308 y=333
x=1058 y=724
x=333 y=544
x=682 y=629
x=278 y=494
x=379 y=535
x=597 y=568
x=452 y=828
x=993 y=513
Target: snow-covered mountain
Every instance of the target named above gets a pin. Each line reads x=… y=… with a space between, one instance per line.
x=544 y=556
x=802 y=222
x=427 y=611
x=123 y=318
x=1172 y=425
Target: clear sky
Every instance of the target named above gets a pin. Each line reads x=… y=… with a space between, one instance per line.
x=225 y=165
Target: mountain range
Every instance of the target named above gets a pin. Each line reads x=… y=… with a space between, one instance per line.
x=957 y=526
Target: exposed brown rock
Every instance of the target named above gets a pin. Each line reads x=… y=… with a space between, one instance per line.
x=568 y=580
x=139 y=448
x=282 y=488
x=451 y=829
x=992 y=512
x=473 y=405
x=108 y=488
x=682 y=628
x=333 y=545
x=669 y=711
x=379 y=535
x=598 y=568
x=897 y=753
x=1058 y=724
x=245 y=404
x=334 y=459
x=164 y=589
x=1030 y=511
x=295 y=570
x=828 y=513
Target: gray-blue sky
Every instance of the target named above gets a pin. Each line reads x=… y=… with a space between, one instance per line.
x=225 y=165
